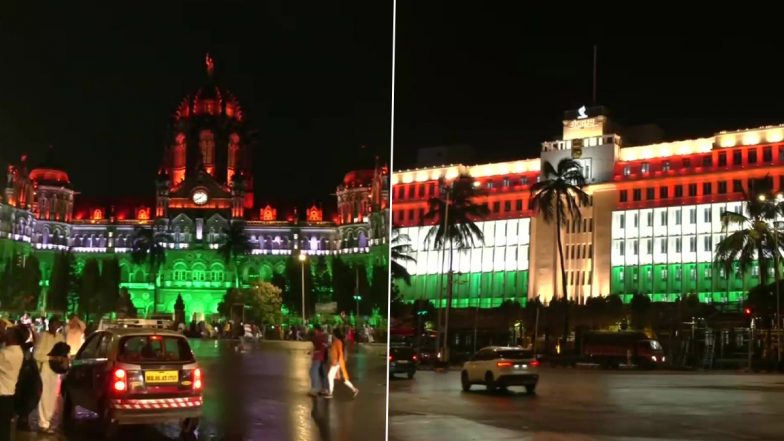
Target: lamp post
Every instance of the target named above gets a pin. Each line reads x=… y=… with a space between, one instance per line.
x=302 y=258
x=779 y=198
x=357 y=299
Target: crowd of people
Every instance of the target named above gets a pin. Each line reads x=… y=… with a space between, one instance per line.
x=329 y=360
x=33 y=356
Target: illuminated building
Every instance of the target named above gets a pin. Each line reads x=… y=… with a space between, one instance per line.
x=652 y=227
x=204 y=182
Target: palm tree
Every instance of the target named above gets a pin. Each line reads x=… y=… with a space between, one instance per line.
x=147 y=247
x=558 y=197
x=454 y=213
x=750 y=235
x=401 y=248
x=234 y=245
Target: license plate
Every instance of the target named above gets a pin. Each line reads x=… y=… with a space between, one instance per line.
x=402 y=362
x=161 y=376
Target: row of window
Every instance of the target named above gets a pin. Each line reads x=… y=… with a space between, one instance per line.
x=579 y=277
x=417 y=215
x=722 y=159
x=428 y=190
x=581 y=251
x=707 y=273
x=634 y=217
x=198 y=276
x=647 y=245
x=664 y=192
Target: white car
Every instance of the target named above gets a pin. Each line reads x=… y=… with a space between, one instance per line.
x=501 y=366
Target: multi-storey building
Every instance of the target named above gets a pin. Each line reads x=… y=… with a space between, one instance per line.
x=651 y=228
x=204 y=182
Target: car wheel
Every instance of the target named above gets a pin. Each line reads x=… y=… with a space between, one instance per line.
x=109 y=427
x=189 y=426
x=411 y=374
x=490 y=382
x=464 y=381
x=530 y=389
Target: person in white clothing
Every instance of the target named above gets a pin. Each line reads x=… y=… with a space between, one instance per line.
x=74 y=334
x=44 y=343
x=11 y=357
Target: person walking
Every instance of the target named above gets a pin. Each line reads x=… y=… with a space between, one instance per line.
x=337 y=362
x=317 y=363
x=50 y=379
x=11 y=358
x=74 y=334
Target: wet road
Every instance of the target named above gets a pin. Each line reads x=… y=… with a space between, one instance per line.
x=262 y=395
x=591 y=405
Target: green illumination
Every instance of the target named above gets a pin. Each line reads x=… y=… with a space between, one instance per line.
x=484 y=290
x=666 y=283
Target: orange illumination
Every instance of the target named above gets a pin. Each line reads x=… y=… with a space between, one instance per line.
x=143 y=214
x=97 y=214
x=504 y=364
x=314 y=214
x=268 y=213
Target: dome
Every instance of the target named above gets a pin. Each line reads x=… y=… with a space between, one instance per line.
x=210 y=99
x=358 y=178
x=49 y=176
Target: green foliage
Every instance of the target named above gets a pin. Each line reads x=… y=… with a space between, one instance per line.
x=63 y=294
x=234 y=245
x=322 y=280
x=125 y=307
x=378 y=292
x=343 y=281
x=20 y=283
x=401 y=248
x=109 y=286
x=147 y=249
x=89 y=295
x=640 y=308
x=265 y=301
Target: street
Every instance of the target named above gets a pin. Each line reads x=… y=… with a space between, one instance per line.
x=262 y=394
x=574 y=404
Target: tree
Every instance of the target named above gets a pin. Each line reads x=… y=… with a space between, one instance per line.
x=400 y=253
x=265 y=301
x=749 y=235
x=125 y=306
x=558 y=197
x=640 y=308
x=109 y=286
x=343 y=281
x=63 y=283
x=454 y=213
x=31 y=283
x=89 y=296
x=147 y=248
x=379 y=290
x=322 y=281
x=234 y=245
x=231 y=299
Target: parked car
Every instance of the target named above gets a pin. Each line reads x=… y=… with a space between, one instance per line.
x=135 y=376
x=501 y=367
x=402 y=360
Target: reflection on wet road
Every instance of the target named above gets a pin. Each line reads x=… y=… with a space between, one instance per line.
x=591 y=405
x=262 y=395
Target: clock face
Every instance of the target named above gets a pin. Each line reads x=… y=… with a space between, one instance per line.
x=200 y=197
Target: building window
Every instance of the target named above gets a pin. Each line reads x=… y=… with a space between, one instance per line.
x=508 y=206
x=679 y=191
x=722 y=187
x=666 y=166
x=650 y=193
x=421 y=191
x=706 y=188
x=707 y=215
x=524 y=180
x=781 y=154
x=646 y=167
x=620 y=275
x=635 y=247
x=686 y=163
x=401 y=216
x=648 y=247
x=708 y=273
x=489 y=185
x=505 y=182
x=737 y=157
x=692 y=216
x=755 y=271
x=692 y=244
x=496 y=207
x=693 y=274
x=637 y=194
x=722 y=159
x=708 y=243
x=410 y=215
x=649 y=219
x=411 y=190
x=678 y=245
x=627 y=170
x=767 y=154
x=707 y=161
x=621 y=248
x=622 y=220
x=737 y=186
x=664 y=218
x=636 y=220
x=692 y=190
x=519 y=205
x=664 y=273
x=752 y=156
x=663 y=245
x=781 y=180
x=624 y=195
x=678 y=216
x=663 y=192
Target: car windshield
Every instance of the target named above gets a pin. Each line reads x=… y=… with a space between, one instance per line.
x=515 y=354
x=401 y=352
x=154 y=348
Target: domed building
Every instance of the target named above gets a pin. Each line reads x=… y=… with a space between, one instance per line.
x=204 y=183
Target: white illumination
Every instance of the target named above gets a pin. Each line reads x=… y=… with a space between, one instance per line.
x=751 y=138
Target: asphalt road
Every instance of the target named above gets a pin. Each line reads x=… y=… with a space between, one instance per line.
x=262 y=395
x=572 y=404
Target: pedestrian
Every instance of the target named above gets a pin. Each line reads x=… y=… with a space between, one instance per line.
x=338 y=363
x=28 y=386
x=317 y=364
x=11 y=358
x=74 y=334
x=50 y=379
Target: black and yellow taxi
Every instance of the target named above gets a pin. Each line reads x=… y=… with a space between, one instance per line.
x=135 y=376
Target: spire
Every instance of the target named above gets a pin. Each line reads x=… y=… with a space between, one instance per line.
x=210 y=64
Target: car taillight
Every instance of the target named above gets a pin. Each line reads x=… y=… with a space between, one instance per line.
x=504 y=364
x=197 y=384
x=391 y=358
x=120 y=382
x=414 y=357
x=535 y=363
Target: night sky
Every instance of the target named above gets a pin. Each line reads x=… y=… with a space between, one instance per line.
x=499 y=79
x=100 y=85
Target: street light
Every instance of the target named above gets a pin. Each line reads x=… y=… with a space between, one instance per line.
x=357 y=299
x=302 y=258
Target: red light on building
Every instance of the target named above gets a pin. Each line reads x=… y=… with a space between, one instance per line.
x=143 y=214
x=97 y=214
x=269 y=214
x=314 y=214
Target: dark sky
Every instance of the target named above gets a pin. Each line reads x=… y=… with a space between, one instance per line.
x=100 y=85
x=499 y=79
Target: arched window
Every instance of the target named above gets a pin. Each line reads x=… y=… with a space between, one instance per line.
x=314 y=243
x=45 y=236
x=362 y=241
x=217 y=272
x=198 y=272
x=207 y=146
x=180 y=270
